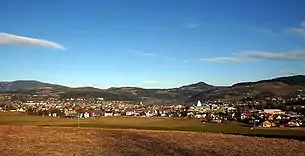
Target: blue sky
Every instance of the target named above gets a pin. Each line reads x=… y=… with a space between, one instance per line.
x=151 y=44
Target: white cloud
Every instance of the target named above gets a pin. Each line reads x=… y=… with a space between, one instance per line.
x=159 y=57
x=302 y=24
x=192 y=25
x=152 y=55
x=298 y=30
x=259 y=55
x=226 y=59
x=10 y=39
x=293 y=55
x=264 y=30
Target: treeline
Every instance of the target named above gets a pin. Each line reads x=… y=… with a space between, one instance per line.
x=295 y=103
x=33 y=111
x=28 y=92
x=98 y=94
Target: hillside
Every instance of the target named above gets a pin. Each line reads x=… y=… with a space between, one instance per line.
x=282 y=86
x=291 y=80
x=89 y=92
x=200 y=86
x=29 y=85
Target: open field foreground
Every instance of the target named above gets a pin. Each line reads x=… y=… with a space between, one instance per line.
x=176 y=124
x=34 y=140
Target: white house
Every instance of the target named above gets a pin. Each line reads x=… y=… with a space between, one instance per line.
x=86 y=115
x=116 y=114
x=20 y=110
x=108 y=114
x=273 y=111
x=199 y=103
x=130 y=113
x=199 y=115
x=54 y=115
x=231 y=109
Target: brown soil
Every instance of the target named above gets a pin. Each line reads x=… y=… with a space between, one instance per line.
x=27 y=140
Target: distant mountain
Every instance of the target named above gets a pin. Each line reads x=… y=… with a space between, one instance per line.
x=91 y=93
x=201 y=86
x=283 y=86
x=174 y=94
x=148 y=94
x=291 y=80
x=89 y=89
x=29 y=85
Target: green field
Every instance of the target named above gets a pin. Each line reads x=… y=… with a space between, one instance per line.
x=179 y=124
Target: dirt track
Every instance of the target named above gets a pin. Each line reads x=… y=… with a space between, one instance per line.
x=25 y=140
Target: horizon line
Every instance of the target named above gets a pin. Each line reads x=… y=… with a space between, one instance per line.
x=64 y=85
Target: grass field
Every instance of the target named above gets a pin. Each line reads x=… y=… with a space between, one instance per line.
x=69 y=141
x=178 y=124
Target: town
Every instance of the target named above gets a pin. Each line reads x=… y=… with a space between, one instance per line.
x=271 y=112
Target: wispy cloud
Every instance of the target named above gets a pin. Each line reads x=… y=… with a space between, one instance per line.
x=264 y=30
x=193 y=25
x=12 y=40
x=259 y=55
x=292 y=55
x=226 y=59
x=149 y=54
x=158 y=56
x=300 y=30
x=154 y=55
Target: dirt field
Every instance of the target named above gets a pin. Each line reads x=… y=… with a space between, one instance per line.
x=33 y=140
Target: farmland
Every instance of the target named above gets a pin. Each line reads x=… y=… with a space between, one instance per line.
x=176 y=124
x=35 y=140
x=21 y=134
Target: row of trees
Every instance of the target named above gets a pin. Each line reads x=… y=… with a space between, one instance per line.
x=34 y=111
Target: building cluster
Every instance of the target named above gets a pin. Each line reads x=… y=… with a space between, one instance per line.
x=209 y=111
x=273 y=118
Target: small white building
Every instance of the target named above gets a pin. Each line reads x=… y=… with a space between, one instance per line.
x=199 y=103
x=108 y=114
x=116 y=114
x=130 y=113
x=273 y=111
x=231 y=109
x=200 y=115
x=163 y=115
x=86 y=115
x=20 y=110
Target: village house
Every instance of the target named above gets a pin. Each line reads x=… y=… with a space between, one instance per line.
x=86 y=115
x=108 y=113
x=273 y=111
x=267 y=124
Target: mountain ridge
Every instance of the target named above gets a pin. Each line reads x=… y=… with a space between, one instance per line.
x=187 y=93
x=291 y=80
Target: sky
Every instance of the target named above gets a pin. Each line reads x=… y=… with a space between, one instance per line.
x=151 y=43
